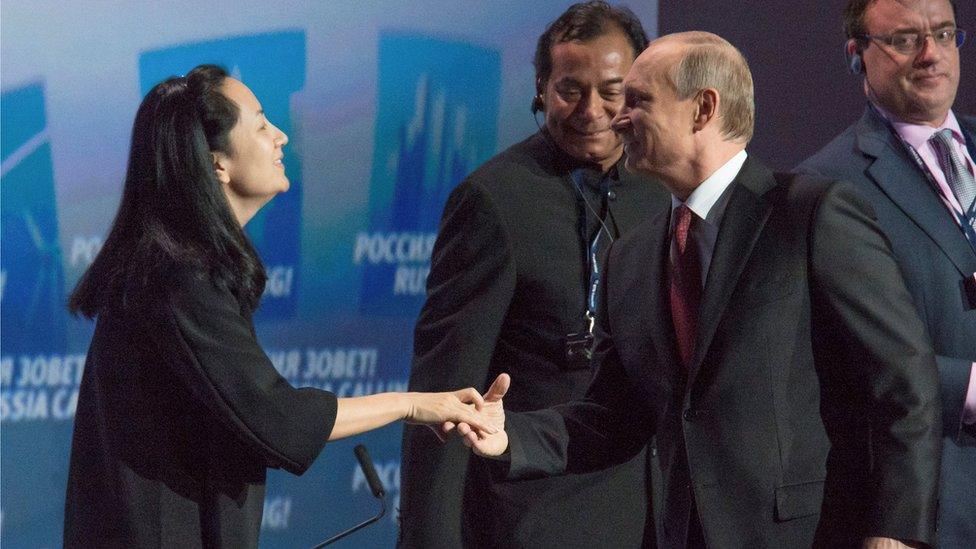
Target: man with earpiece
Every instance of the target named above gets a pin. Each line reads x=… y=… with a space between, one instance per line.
x=511 y=289
x=912 y=157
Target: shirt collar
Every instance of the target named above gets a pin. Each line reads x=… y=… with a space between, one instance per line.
x=590 y=172
x=917 y=135
x=704 y=198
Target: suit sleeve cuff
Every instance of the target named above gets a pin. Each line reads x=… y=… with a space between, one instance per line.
x=517 y=462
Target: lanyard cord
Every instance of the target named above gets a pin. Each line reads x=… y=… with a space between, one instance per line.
x=592 y=260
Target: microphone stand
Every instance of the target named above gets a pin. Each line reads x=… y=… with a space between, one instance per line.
x=375 y=485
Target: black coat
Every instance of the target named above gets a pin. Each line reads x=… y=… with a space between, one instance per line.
x=179 y=415
x=507 y=284
x=809 y=415
x=934 y=257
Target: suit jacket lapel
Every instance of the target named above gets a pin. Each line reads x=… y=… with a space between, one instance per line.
x=897 y=175
x=743 y=221
x=658 y=309
x=968 y=126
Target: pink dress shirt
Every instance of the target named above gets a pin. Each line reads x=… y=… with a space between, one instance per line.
x=918 y=137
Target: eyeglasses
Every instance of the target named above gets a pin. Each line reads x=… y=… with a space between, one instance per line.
x=911 y=42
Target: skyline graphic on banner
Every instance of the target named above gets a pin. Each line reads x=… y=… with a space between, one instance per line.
x=276 y=229
x=31 y=272
x=440 y=99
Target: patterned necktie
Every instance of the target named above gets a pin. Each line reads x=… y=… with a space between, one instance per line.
x=685 y=285
x=956 y=172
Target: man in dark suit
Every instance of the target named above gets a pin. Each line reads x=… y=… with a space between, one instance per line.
x=908 y=52
x=760 y=329
x=508 y=292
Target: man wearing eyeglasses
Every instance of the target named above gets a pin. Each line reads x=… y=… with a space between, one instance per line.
x=913 y=158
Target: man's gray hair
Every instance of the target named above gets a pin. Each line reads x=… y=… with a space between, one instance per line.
x=710 y=61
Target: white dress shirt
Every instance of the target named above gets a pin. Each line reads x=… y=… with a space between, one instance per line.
x=708 y=203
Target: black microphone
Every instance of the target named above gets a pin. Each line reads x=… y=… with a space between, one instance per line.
x=375 y=485
x=366 y=465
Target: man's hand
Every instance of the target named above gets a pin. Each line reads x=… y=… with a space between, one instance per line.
x=481 y=441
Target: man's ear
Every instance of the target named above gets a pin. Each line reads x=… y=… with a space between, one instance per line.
x=706 y=108
x=220 y=165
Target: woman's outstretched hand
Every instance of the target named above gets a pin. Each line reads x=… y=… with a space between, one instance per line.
x=355 y=415
x=464 y=406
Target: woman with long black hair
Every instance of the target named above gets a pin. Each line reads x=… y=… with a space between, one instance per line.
x=180 y=411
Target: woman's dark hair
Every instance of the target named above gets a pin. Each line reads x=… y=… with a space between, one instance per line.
x=174 y=213
x=585 y=21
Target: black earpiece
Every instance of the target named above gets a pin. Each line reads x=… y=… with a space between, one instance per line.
x=855 y=65
x=537 y=104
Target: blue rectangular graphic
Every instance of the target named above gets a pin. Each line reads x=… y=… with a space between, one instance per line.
x=436 y=121
x=31 y=273
x=36 y=383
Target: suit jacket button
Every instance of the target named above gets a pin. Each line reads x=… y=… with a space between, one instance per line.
x=689 y=415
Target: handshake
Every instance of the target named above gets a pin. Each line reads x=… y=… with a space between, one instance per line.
x=481 y=426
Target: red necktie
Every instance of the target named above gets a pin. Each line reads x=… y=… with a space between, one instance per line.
x=685 y=284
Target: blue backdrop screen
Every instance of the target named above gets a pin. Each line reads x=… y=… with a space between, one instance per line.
x=387 y=105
